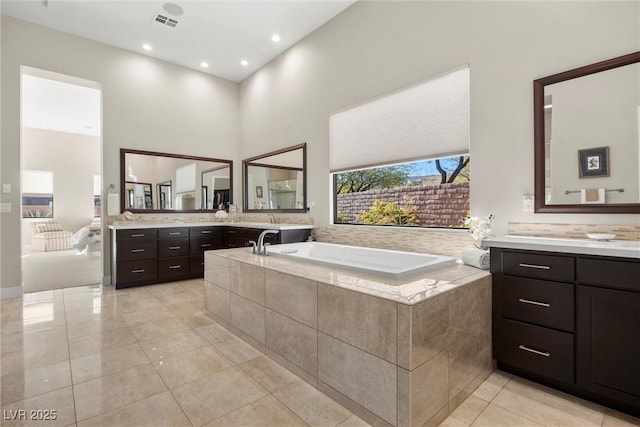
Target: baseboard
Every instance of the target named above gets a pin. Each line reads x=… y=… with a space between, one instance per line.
x=12 y=292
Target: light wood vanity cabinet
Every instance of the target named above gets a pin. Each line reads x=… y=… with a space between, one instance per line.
x=569 y=321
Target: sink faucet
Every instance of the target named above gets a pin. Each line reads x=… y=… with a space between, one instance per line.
x=261 y=248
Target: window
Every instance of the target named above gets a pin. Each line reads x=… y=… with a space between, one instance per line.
x=37 y=196
x=428 y=193
x=403 y=159
x=37 y=205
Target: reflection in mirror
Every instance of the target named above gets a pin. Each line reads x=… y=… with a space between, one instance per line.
x=587 y=138
x=164 y=195
x=138 y=195
x=182 y=183
x=276 y=181
x=215 y=188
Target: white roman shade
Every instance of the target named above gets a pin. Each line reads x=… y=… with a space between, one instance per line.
x=428 y=120
x=186 y=178
x=37 y=182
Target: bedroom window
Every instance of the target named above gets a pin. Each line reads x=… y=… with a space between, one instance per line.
x=403 y=159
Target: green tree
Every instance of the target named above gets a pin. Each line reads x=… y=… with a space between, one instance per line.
x=387 y=213
x=371 y=179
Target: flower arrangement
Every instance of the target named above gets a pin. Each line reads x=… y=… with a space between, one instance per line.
x=479 y=228
x=221 y=214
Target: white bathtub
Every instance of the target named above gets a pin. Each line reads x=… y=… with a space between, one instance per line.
x=381 y=262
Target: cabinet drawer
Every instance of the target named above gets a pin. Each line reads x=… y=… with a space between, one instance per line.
x=203 y=231
x=196 y=264
x=137 y=234
x=205 y=243
x=129 y=251
x=172 y=233
x=536 y=349
x=173 y=247
x=136 y=271
x=610 y=273
x=170 y=267
x=537 y=301
x=537 y=266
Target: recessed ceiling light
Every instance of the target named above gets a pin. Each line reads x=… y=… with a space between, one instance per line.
x=244 y=62
x=173 y=9
x=275 y=38
x=204 y=65
x=146 y=46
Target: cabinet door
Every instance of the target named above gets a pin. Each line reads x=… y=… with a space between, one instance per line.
x=608 y=343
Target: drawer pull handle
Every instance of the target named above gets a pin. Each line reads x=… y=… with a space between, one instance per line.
x=539 y=267
x=176 y=233
x=205 y=245
x=541 y=353
x=528 y=301
x=173 y=248
x=133 y=251
x=205 y=232
x=138 y=271
x=173 y=267
x=137 y=235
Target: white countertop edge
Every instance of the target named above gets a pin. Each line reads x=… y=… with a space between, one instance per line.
x=613 y=248
x=264 y=226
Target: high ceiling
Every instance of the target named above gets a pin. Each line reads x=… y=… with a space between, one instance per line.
x=221 y=33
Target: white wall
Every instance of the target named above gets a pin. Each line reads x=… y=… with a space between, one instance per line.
x=147 y=105
x=74 y=160
x=376 y=47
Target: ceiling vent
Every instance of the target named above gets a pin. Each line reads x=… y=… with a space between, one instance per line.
x=164 y=20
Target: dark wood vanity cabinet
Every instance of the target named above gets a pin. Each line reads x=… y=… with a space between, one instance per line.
x=533 y=312
x=203 y=239
x=136 y=261
x=569 y=321
x=173 y=253
x=154 y=255
x=608 y=329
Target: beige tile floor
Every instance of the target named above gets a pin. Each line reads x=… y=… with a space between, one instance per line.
x=149 y=356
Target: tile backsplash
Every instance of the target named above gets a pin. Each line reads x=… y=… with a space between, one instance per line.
x=577 y=231
x=433 y=241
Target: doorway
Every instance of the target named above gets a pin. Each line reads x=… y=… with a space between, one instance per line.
x=61 y=181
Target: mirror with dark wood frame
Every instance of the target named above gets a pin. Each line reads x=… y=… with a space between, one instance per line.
x=181 y=183
x=276 y=181
x=587 y=138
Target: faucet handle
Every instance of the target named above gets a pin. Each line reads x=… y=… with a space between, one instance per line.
x=264 y=249
x=252 y=243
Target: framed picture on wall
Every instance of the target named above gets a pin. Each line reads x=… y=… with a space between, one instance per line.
x=593 y=162
x=259 y=191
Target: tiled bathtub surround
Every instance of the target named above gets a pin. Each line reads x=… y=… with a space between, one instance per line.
x=390 y=361
x=576 y=231
x=431 y=241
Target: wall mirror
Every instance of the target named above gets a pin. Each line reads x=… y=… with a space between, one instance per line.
x=163 y=182
x=276 y=181
x=587 y=138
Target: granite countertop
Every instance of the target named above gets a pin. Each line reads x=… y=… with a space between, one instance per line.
x=614 y=248
x=260 y=225
x=408 y=290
